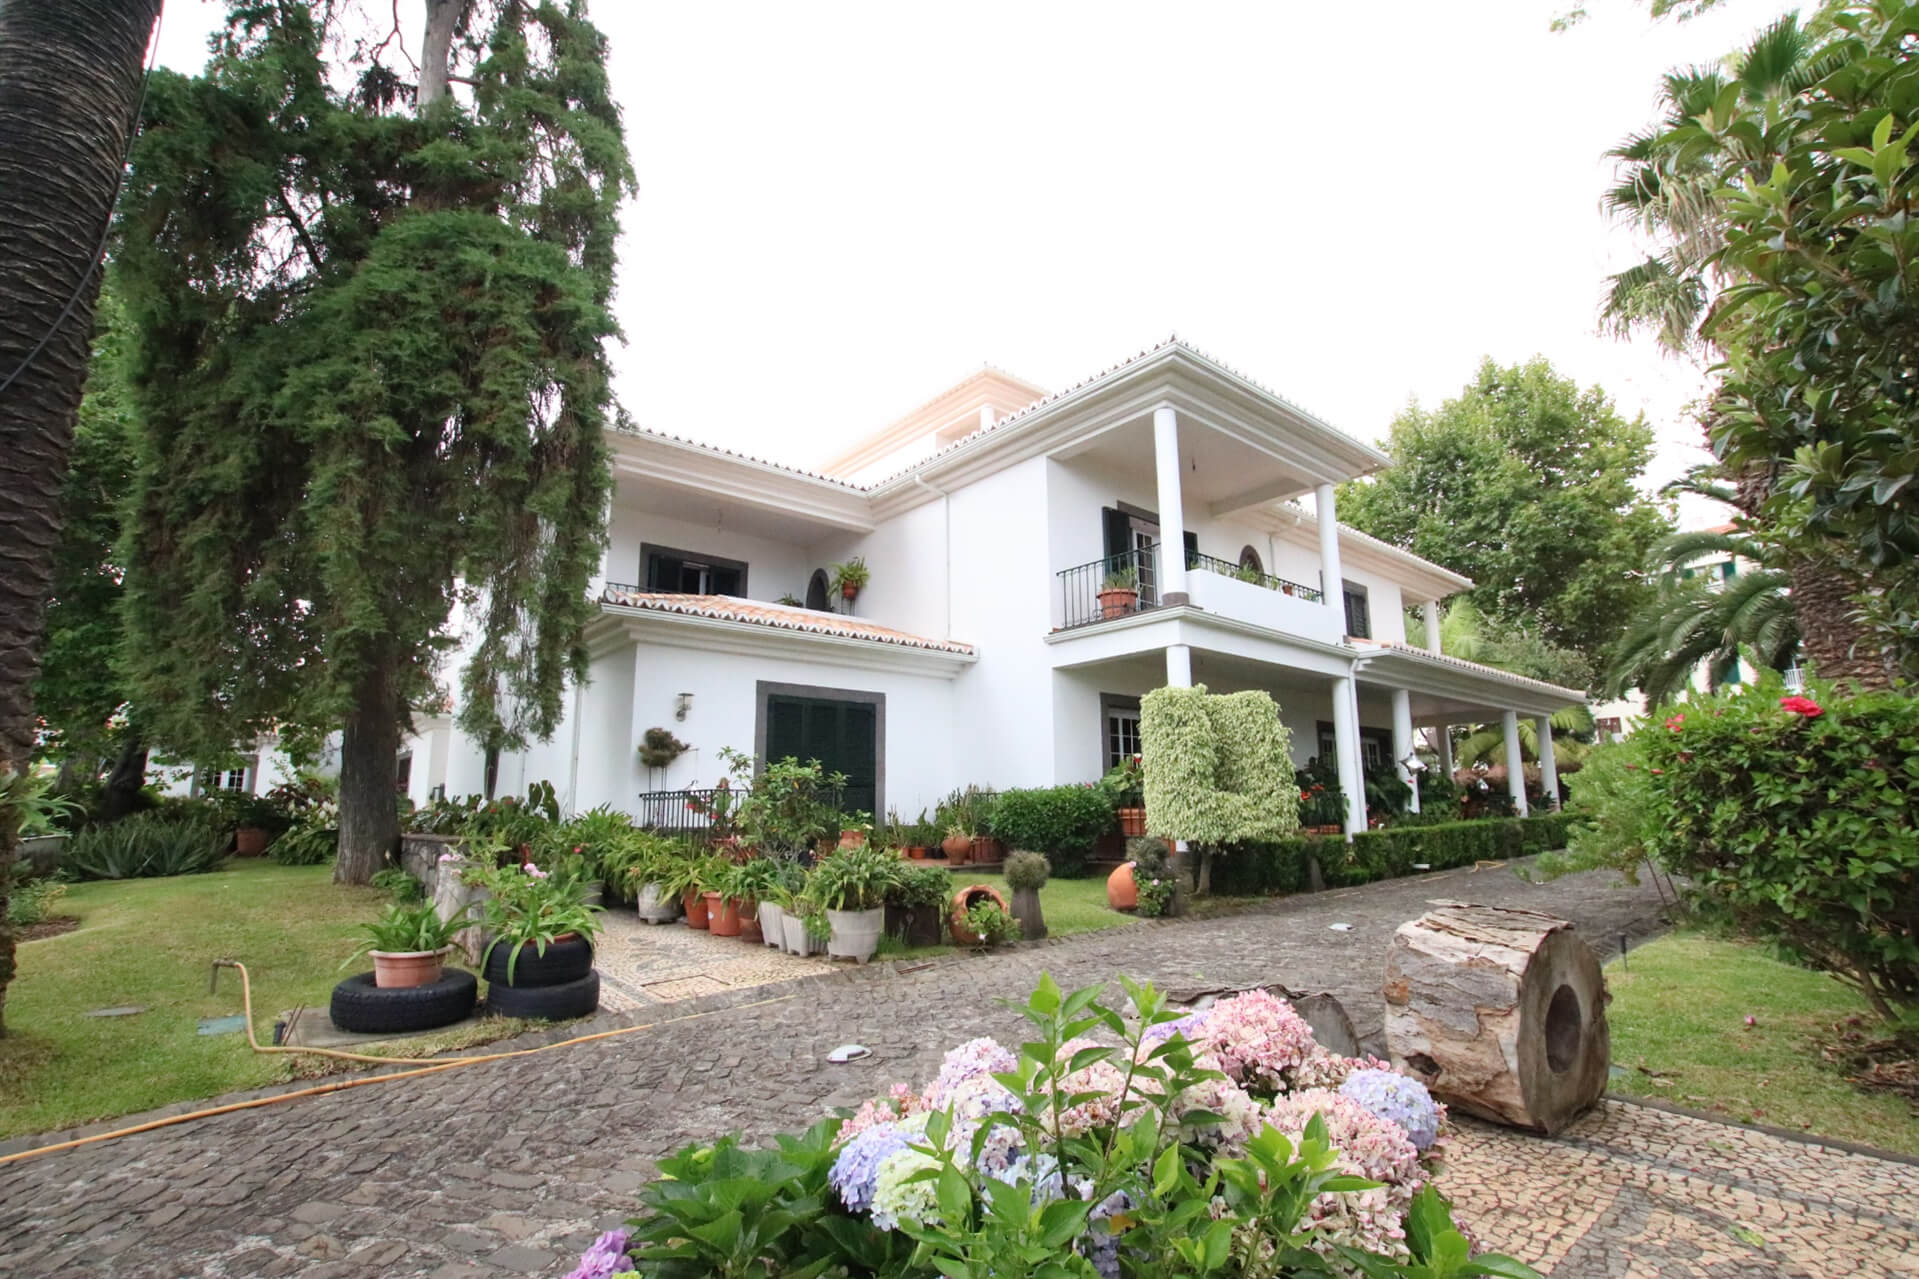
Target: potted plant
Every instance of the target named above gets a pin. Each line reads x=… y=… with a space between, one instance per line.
x=856 y=829
x=718 y=885
x=1118 y=595
x=916 y=905
x=803 y=927
x=1026 y=874
x=916 y=837
x=679 y=879
x=1125 y=783
x=851 y=887
x=960 y=817
x=755 y=881
x=529 y=912
x=850 y=578
x=987 y=924
x=659 y=748
x=961 y=919
x=776 y=901
x=255 y=819
x=409 y=944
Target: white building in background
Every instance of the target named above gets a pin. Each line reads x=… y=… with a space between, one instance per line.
x=981 y=651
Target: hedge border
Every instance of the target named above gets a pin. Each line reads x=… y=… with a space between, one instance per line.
x=1284 y=866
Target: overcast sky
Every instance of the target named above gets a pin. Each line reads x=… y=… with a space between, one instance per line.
x=845 y=208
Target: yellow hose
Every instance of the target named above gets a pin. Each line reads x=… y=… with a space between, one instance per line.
x=445 y=1064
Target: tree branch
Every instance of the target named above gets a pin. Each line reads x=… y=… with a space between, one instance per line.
x=300 y=229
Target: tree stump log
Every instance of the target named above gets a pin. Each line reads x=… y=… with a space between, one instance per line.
x=1501 y=1013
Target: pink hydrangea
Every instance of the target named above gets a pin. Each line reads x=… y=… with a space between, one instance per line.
x=1102 y=1077
x=1366 y=1146
x=1259 y=1040
x=1240 y=1117
x=1329 y=1070
x=974 y=1059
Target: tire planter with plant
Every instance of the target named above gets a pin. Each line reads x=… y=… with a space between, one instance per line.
x=557 y=1002
x=567 y=958
x=398 y=969
x=363 y=1008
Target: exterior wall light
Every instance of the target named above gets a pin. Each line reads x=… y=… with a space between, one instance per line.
x=682 y=703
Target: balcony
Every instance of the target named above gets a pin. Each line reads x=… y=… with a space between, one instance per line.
x=1118 y=586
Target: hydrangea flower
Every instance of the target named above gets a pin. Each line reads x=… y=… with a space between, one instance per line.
x=1365 y=1145
x=895 y=1198
x=1101 y=1077
x=1329 y=1070
x=1239 y=1115
x=1258 y=1039
x=899 y=1102
x=1192 y=1026
x=1100 y=1244
x=606 y=1257
x=855 y=1174
x=974 y=1059
x=1394 y=1096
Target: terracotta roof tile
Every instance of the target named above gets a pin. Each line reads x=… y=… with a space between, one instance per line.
x=726 y=608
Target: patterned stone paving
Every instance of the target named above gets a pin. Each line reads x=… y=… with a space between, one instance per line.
x=645 y=965
x=512 y=1167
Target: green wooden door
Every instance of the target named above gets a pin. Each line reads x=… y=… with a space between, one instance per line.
x=844 y=736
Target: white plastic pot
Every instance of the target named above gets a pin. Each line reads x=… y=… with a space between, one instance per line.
x=771 y=931
x=655 y=907
x=856 y=933
x=793 y=933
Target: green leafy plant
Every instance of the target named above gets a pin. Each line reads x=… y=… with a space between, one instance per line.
x=145 y=846
x=1027 y=870
x=788 y=806
x=920 y=886
x=853 y=879
x=964 y=813
x=526 y=905
x=1064 y=822
x=398 y=885
x=32 y=901
x=659 y=748
x=1123 y=578
x=852 y=574
x=28 y=800
x=993 y=925
x=312 y=836
x=405 y=930
x=1123 y=783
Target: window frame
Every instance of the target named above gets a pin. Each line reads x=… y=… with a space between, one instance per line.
x=1111 y=704
x=649 y=551
x=1349 y=591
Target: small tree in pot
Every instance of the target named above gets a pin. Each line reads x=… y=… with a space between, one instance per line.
x=1026 y=874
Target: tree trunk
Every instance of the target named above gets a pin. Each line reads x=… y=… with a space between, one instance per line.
x=369 y=751
x=69 y=82
x=1500 y=1012
x=121 y=793
x=1835 y=644
x=1203 y=887
x=436 y=49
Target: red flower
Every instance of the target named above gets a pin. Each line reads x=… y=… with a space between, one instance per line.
x=1674 y=724
x=1802 y=706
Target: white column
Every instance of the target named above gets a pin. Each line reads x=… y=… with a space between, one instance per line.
x=1431 y=611
x=1172 y=512
x=1179 y=665
x=1443 y=739
x=1515 y=763
x=1352 y=772
x=1548 y=766
x=1403 y=741
x=1331 y=579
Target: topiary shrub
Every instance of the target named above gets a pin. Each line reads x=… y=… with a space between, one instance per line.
x=1218 y=770
x=1027 y=870
x=1064 y=822
x=1797 y=818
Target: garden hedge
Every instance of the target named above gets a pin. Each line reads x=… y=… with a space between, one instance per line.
x=1281 y=866
x=1063 y=822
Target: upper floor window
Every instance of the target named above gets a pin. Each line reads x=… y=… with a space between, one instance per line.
x=1249 y=558
x=1359 y=618
x=677 y=572
x=817 y=591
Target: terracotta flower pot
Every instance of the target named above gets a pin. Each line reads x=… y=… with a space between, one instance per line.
x=1118 y=603
x=848 y=590
x=1132 y=821
x=963 y=900
x=249 y=841
x=695 y=903
x=915 y=852
x=852 y=839
x=987 y=849
x=748 y=911
x=394 y=969
x=1122 y=892
x=958 y=848
x=722 y=915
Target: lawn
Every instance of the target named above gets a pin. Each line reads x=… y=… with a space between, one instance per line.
x=150 y=942
x=1679 y=1033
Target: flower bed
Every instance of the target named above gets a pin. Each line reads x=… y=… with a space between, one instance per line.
x=1156 y=1144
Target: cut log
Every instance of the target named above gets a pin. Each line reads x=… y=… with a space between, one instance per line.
x=1501 y=1013
x=1332 y=1028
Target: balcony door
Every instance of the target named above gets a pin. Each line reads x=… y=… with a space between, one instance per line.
x=1131 y=534
x=842 y=729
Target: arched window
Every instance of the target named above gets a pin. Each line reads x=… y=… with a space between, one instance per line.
x=1249 y=558
x=816 y=590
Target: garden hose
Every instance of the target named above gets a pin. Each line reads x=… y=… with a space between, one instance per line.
x=439 y=1066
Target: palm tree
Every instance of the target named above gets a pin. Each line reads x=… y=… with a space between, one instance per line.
x=1467 y=633
x=1694 y=620
x=69 y=88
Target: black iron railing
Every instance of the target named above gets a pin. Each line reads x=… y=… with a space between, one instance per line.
x=676 y=812
x=1112 y=587
x=1226 y=568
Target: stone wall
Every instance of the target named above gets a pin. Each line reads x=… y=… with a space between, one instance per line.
x=420 y=857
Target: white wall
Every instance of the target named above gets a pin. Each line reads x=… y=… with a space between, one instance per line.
x=774 y=568
x=907 y=558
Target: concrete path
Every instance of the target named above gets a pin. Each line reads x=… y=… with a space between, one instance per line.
x=512 y=1167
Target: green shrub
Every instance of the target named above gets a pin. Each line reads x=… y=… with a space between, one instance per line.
x=32 y=902
x=1268 y=868
x=920 y=884
x=145 y=846
x=1027 y=870
x=1216 y=767
x=1064 y=822
x=398 y=885
x=1613 y=813
x=307 y=843
x=1798 y=819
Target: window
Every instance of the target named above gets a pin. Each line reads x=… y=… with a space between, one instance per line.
x=817 y=587
x=1359 y=618
x=1608 y=726
x=844 y=729
x=1729 y=570
x=233 y=779
x=403 y=774
x=676 y=572
x=1726 y=674
x=1375 y=746
x=1119 y=718
x=1249 y=558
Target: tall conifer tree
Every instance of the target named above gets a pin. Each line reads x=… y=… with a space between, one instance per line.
x=368 y=306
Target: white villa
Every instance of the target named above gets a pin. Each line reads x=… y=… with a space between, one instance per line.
x=981 y=652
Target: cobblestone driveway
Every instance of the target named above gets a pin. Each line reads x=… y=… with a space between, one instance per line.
x=511 y=1167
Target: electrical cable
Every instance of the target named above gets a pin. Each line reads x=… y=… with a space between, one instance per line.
x=106 y=232
x=319 y=1090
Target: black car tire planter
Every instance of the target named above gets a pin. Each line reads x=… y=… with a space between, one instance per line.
x=559 y=1002
x=564 y=961
x=360 y=1006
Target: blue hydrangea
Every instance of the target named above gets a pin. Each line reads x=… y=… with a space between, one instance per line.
x=1391 y=1095
x=856 y=1172
x=1101 y=1244
x=1190 y=1026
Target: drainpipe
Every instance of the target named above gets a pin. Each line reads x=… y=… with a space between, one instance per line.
x=946 y=515
x=573 y=767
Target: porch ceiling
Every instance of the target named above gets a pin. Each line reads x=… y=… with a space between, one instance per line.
x=1219 y=472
